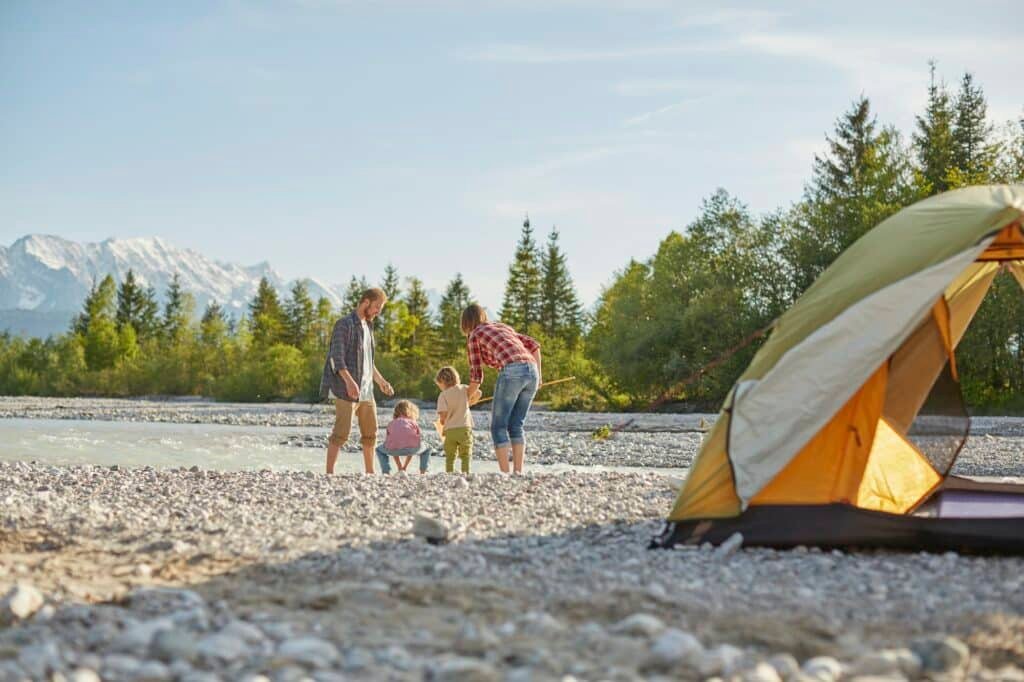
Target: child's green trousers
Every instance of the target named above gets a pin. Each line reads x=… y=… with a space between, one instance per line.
x=458 y=441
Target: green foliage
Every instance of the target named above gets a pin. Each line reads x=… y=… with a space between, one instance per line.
x=269 y=323
x=354 y=293
x=450 y=340
x=387 y=326
x=933 y=139
x=179 y=309
x=561 y=314
x=974 y=153
x=865 y=177
x=278 y=372
x=137 y=307
x=422 y=335
x=300 y=317
x=658 y=321
x=521 y=306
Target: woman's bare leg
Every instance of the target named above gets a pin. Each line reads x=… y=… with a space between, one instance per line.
x=518 y=453
x=502 y=455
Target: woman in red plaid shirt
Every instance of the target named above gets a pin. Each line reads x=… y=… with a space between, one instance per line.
x=517 y=358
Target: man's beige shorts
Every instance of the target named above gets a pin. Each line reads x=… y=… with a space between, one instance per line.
x=365 y=412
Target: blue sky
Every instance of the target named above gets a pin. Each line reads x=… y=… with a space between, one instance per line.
x=331 y=137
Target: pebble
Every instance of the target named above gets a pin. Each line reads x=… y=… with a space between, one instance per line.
x=174 y=645
x=465 y=670
x=221 y=648
x=430 y=529
x=20 y=602
x=309 y=651
x=941 y=654
x=822 y=668
x=638 y=624
x=729 y=547
x=672 y=648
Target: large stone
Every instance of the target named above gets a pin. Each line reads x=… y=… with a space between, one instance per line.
x=941 y=654
x=729 y=547
x=430 y=529
x=83 y=675
x=162 y=600
x=174 y=645
x=137 y=637
x=822 y=668
x=465 y=670
x=540 y=623
x=38 y=660
x=312 y=652
x=639 y=625
x=724 y=660
x=475 y=640
x=221 y=648
x=674 y=647
x=785 y=665
x=245 y=631
x=888 y=662
x=762 y=672
x=121 y=667
x=20 y=602
x=152 y=671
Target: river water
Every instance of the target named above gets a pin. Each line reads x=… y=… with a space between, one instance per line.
x=209 y=446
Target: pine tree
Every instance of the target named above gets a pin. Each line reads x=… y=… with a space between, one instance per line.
x=214 y=325
x=456 y=298
x=384 y=325
x=300 y=316
x=863 y=178
x=418 y=305
x=560 y=312
x=149 y=315
x=324 y=322
x=178 y=310
x=267 y=316
x=353 y=293
x=521 y=304
x=973 y=152
x=96 y=325
x=933 y=139
x=130 y=300
x=98 y=302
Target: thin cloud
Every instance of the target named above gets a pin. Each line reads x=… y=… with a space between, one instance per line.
x=895 y=70
x=653 y=86
x=533 y=54
x=647 y=116
x=728 y=17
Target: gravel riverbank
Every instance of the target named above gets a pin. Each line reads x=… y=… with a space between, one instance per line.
x=202 y=575
x=192 y=574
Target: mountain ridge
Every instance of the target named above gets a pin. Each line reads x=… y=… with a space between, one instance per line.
x=44 y=278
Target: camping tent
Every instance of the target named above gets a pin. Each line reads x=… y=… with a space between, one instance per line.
x=845 y=426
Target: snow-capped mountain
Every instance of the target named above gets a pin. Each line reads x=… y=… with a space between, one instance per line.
x=44 y=279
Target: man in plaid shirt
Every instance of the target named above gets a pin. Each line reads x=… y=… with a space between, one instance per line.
x=517 y=358
x=348 y=377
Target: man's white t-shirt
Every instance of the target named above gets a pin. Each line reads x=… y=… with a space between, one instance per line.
x=366 y=387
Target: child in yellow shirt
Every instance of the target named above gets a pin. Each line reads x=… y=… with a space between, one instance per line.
x=455 y=418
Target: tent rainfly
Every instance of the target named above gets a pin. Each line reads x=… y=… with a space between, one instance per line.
x=844 y=428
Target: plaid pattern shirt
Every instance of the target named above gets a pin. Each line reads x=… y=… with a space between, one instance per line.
x=495 y=344
x=345 y=352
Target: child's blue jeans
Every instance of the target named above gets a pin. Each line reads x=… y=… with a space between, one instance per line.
x=384 y=456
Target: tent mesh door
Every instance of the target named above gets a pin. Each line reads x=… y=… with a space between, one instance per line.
x=940 y=427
